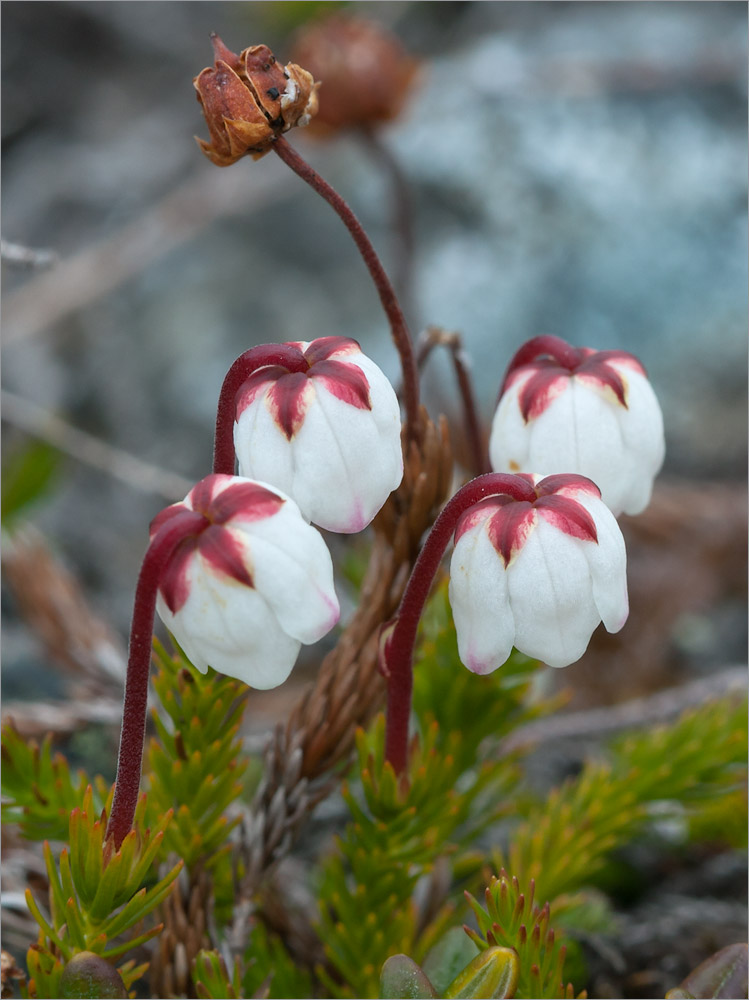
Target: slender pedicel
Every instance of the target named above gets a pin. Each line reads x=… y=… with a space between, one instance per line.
x=402 y=217
x=398 y=326
x=132 y=736
x=435 y=336
x=240 y=371
x=399 y=637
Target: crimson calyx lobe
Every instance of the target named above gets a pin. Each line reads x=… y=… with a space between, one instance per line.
x=292 y=389
x=399 y=637
x=552 y=360
x=206 y=534
x=510 y=521
x=272 y=362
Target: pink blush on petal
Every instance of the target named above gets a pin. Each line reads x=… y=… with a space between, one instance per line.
x=358 y=521
x=476 y=665
x=335 y=611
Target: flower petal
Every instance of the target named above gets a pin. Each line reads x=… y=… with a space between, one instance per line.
x=551 y=597
x=479 y=599
x=601 y=420
x=608 y=565
x=293 y=571
x=344 y=459
x=239 y=635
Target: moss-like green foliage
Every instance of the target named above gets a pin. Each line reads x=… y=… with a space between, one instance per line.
x=212 y=980
x=481 y=709
x=267 y=970
x=393 y=885
x=512 y=920
x=38 y=789
x=453 y=790
x=401 y=827
x=194 y=762
x=98 y=895
x=565 y=839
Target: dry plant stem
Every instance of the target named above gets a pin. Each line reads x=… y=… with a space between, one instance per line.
x=400 y=637
x=303 y=759
x=390 y=304
x=132 y=736
x=84 y=447
x=402 y=218
x=51 y=296
x=240 y=371
x=435 y=336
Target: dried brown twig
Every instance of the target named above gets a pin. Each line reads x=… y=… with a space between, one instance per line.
x=52 y=602
x=9 y=972
x=35 y=719
x=437 y=336
x=18 y=255
x=185 y=913
x=90 y=450
x=85 y=277
x=653 y=709
x=320 y=732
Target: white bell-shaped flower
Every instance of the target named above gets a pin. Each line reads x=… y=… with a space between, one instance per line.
x=250 y=585
x=566 y=409
x=538 y=575
x=326 y=431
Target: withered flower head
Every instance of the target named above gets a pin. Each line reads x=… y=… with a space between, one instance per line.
x=365 y=71
x=249 y=99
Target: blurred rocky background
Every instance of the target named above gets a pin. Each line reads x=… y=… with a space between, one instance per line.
x=574 y=168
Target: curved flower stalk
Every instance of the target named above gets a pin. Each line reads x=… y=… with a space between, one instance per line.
x=248 y=102
x=367 y=78
x=242 y=581
x=569 y=409
x=318 y=420
x=538 y=563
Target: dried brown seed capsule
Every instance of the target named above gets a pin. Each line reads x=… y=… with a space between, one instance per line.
x=250 y=99
x=366 y=73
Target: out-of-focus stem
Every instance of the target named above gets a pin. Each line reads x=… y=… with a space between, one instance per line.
x=402 y=216
x=435 y=336
x=399 y=639
x=133 y=733
x=388 y=298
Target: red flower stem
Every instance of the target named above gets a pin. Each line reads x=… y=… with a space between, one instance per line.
x=433 y=337
x=399 y=644
x=398 y=327
x=133 y=733
x=240 y=371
